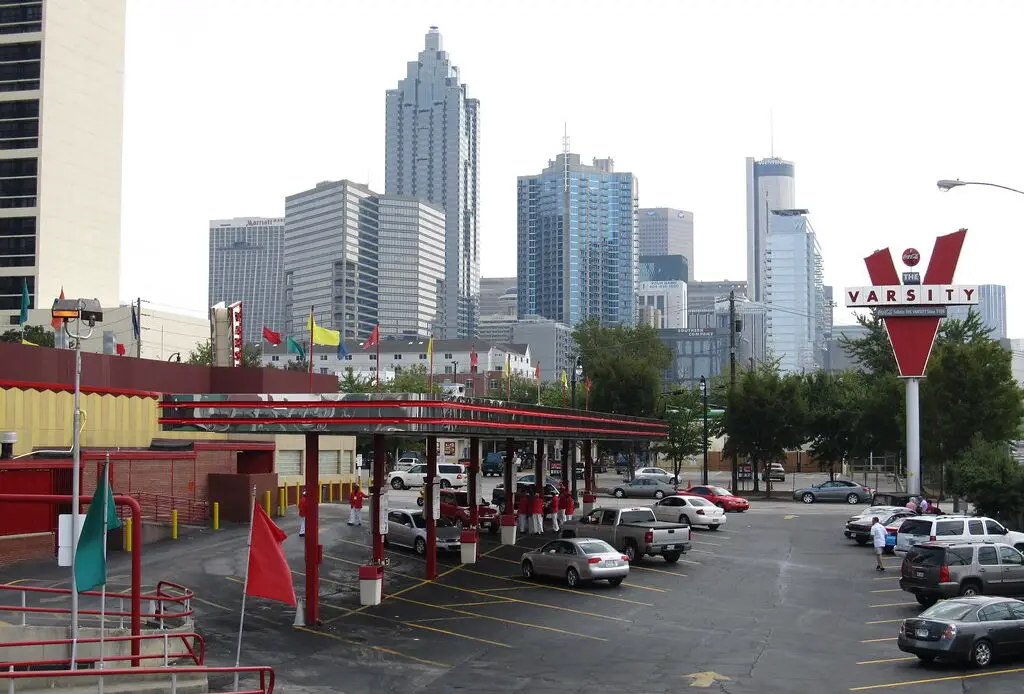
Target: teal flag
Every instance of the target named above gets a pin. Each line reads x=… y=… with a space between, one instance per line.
x=91 y=555
x=26 y=302
x=296 y=348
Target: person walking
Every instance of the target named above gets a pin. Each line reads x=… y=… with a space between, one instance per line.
x=524 y=512
x=923 y=507
x=563 y=503
x=537 y=508
x=878 y=534
x=556 y=511
x=302 y=513
x=355 y=506
x=568 y=506
x=912 y=504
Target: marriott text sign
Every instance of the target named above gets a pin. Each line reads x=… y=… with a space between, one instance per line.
x=911 y=295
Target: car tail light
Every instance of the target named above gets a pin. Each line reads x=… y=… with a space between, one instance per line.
x=931 y=538
x=649 y=536
x=625 y=558
x=593 y=560
x=944 y=574
x=458 y=477
x=949 y=632
x=700 y=512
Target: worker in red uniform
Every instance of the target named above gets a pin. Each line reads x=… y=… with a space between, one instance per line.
x=302 y=513
x=570 y=506
x=556 y=511
x=524 y=512
x=355 y=504
x=563 y=503
x=537 y=510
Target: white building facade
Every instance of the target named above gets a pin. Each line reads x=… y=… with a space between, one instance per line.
x=411 y=246
x=668 y=299
x=771 y=185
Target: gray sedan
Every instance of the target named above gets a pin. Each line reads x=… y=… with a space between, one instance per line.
x=643 y=488
x=408 y=528
x=976 y=629
x=837 y=490
x=576 y=560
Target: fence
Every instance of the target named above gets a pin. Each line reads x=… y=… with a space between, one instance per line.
x=264 y=675
x=880 y=472
x=193 y=648
x=158 y=507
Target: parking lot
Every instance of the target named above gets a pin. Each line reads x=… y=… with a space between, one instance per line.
x=776 y=601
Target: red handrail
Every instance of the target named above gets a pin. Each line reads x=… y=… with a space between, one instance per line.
x=195 y=648
x=265 y=672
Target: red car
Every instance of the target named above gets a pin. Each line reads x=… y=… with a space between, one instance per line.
x=720 y=497
x=455 y=507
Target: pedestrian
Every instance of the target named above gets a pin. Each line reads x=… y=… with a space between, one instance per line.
x=569 y=507
x=923 y=506
x=878 y=535
x=302 y=513
x=524 y=512
x=537 y=508
x=912 y=504
x=563 y=504
x=556 y=511
x=355 y=506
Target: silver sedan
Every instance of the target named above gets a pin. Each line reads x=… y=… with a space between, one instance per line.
x=408 y=528
x=647 y=488
x=576 y=560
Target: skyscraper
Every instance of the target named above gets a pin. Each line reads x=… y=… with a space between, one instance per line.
x=61 y=113
x=432 y=153
x=588 y=267
x=246 y=265
x=771 y=185
x=991 y=309
x=667 y=231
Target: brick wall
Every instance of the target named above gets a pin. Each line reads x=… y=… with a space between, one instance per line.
x=183 y=476
x=21 y=548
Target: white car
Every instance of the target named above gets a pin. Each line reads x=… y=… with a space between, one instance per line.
x=916 y=530
x=689 y=510
x=406 y=463
x=655 y=473
x=450 y=475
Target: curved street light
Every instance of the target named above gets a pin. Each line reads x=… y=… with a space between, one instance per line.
x=946 y=185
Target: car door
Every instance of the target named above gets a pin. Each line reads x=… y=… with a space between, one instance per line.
x=989 y=570
x=400 y=528
x=824 y=491
x=994 y=530
x=1017 y=613
x=1013 y=571
x=606 y=530
x=415 y=476
x=545 y=558
x=668 y=509
x=1000 y=626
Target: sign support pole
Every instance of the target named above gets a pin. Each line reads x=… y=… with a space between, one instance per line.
x=914 y=436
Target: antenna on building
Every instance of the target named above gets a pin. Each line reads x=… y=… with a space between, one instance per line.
x=565 y=157
x=771 y=131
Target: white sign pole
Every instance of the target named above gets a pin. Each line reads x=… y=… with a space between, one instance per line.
x=103 y=588
x=914 y=436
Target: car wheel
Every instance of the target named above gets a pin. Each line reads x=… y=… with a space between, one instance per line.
x=981 y=654
x=572 y=577
x=861 y=540
x=713 y=527
x=683 y=520
x=926 y=600
x=445 y=484
x=671 y=557
x=397 y=484
x=807 y=498
x=419 y=501
x=631 y=552
x=619 y=494
x=659 y=494
x=527 y=569
x=420 y=546
x=970 y=588
x=615 y=582
x=852 y=499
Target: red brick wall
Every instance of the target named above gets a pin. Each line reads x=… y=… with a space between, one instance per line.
x=25 y=548
x=184 y=476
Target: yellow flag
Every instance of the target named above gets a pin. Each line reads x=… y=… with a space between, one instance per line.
x=430 y=349
x=565 y=380
x=508 y=364
x=323 y=336
x=31 y=344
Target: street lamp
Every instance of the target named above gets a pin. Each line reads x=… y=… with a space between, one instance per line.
x=946 y=185
x=89 y=311
x=577 y=372
x=704 y=394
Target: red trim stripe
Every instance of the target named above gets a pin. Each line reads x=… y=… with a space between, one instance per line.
x=64 y=388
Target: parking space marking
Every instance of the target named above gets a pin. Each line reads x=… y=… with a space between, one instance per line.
x=212 y=604
x=888 y=638
x=885 y=660
x=659 y=571
x=893 y=604
x=476 y=604
x=701 y=542
x=414 y=624
x=495 y=590
x=625 y=583
x=500 y=619
x=950 y=678
x=534 y=584
x=440 y=619
x=379 y=649
x=885 y=621
x=888 y=590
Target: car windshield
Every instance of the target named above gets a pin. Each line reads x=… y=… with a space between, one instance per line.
x=639 y=516
x=916 y=526
x=596 y=547
x=720 y=491
x=697 y=501
x=949 y=610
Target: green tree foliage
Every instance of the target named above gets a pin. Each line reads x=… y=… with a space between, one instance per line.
x=684 y=412
x=413 y=379
x=523 y=390
x=625 y=365
x=350 y=382
x=989 y=477
x=36 y=334
x=202 y=355
x=833 y=402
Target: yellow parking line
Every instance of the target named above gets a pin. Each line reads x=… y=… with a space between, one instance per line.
x=889 y=638
x=634 y=567
x=379 y=649
x=885 y=621
x=440 y=619
x=558 y=588
x=415 y=625
x=475 y=604
x=495 y=590
x=885 y=660
x=893 y=604
x=499 y=619
x=625 y=583
x=888 y=590
x=212 y=604
x=950 y=678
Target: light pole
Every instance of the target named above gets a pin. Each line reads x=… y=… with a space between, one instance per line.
x=90 y=311
x=704 y=394
x=577 y=372
x=946 y=185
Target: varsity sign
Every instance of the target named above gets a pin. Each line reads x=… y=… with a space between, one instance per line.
x=911 y=295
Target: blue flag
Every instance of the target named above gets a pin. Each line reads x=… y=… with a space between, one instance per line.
x=342 y=352
x=26 y=303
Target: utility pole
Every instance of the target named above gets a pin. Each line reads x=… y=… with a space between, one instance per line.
x=138 y=326
x=732 y=374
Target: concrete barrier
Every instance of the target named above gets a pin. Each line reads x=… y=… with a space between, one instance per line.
x=87 y=650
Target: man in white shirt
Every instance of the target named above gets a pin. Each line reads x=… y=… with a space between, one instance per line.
x=878 y=535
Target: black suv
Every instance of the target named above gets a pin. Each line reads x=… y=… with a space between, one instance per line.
x=935 y=570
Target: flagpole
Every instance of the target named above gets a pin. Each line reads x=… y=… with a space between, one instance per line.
x=430 y=377
x=103 y=588
x=378 y=357
x=538 y=383
x=312 y=326
x=245 y=584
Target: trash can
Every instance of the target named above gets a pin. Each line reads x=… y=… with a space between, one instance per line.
x=469 y=541
x=371 y=584
x=508 y=530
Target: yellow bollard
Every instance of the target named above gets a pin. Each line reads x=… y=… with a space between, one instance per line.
x=128 y=534
x=174 y=524
x=266 y=501
x=282 y=495
x=216 y=515
x=330 y=493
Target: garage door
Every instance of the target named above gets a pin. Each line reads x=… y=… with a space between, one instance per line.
x=350 y=463
x=289 y=462
x=330 y=462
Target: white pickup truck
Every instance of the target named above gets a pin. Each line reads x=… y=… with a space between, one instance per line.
x=633 y=531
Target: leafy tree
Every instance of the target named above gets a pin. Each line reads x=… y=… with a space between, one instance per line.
x=833 y=403
x=414 y=379
x=523 y=390
x=350 y=382
x=988 y=476
x=873 y=352
x=202 y=355
x=36 y=334
x=684 y=412
x=764 y=417
x=625 y=365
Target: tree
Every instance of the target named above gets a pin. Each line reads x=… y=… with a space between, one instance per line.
x=352 y=383
x=414 y=379
x=988 y=476
x=764 y=417
x=625 y=365
x=832 y=405
x=684 y=412
x=202 y=355
x=36 y=334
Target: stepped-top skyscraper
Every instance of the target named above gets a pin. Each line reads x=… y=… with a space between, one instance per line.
x=771 y=186
x=432 y=153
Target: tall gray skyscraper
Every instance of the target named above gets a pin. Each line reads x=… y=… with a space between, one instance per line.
x=246 y=265
x=771 y=185
x=411 y=245
x=667 y=231
x=991 y=309
x=432 y=153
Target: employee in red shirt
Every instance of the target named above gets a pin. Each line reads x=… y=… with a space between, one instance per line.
x=355 y=504
x=556 y=511
x=570 y=507
x=537 y=508
x=563 y=504
x=302 y=513
x=524 y=513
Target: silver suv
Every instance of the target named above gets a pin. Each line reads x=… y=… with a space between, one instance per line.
x=935 y=570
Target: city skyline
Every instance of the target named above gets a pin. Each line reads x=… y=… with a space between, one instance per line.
x=685 y=155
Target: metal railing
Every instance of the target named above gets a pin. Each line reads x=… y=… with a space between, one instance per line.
x=166 y=594
x=194 y=648
x=265 y=675
x=158 y=507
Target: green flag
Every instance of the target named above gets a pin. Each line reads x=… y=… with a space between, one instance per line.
x=91 y=556
x=296 y=348
x=26 y=302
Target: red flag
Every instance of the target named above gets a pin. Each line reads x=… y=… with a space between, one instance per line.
x=271 y=337
x=57 y=322
x=374 y=337
x=586 y=384
x=120 y=349
x=269 y=574
x=536 y=372
x=472 y=358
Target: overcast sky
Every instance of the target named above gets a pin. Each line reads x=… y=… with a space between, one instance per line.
x=231 y=105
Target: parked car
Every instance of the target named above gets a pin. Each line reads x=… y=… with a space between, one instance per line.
x=455 y=506
x=859 y=527
x=408 y=528
x=835 y=490
x=632 y=531
x=974 y=629
x=655 y=473
x=775 y=472
x=877 y=510
x=493 y=464
x=405 y=463
x=720 y=497
x=577 y=560
x=689 y=510
x=643 y=488
x=498 y=495
x=951 y=528
x=450 y=474
x=935 y=570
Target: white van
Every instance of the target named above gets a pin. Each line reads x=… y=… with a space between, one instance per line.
x=920 y=529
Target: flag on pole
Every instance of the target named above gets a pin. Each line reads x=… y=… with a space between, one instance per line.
x=56 y=322
x=536 y=372
x=269 y=574
x=26 y=303
x=91 y=555
x=473 y=360
x=342 y=351
x=120 y=350
x=271 y=337
x=374 y=338
x=295 y=348
x=30 y=344
x=430 y=367
x=323 y=336
x=565 y=381
x=135 y=323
